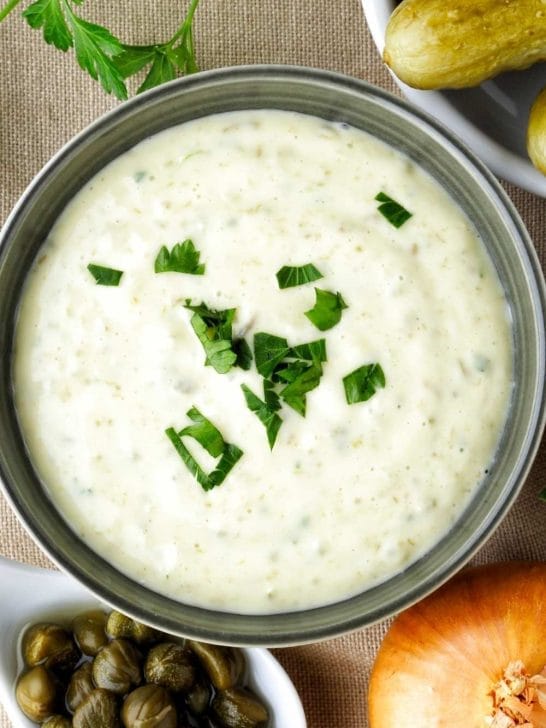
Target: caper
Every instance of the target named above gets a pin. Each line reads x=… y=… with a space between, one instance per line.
x=90 y=631
x=51 y=645
x=117 y=667
x=170 y=665
x=150 y=706
x=198 y=697
x=223 y=665
x=57 y=721
x=37 y=694
x=118 y=625
x=238 y=708
x=80 y=686
x=98 y=710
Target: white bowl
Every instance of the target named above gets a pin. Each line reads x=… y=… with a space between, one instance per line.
x=491 y=118
x=31 y=595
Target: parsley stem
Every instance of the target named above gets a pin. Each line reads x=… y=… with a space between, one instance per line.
x=8 y=7
x=186 y=24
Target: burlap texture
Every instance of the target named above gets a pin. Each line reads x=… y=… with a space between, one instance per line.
x=45 y=99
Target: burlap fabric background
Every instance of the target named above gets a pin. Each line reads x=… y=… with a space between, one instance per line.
x=45 y=99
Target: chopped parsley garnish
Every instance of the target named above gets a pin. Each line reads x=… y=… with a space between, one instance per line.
x=301 y=379
x=270 y=350
x=392 y=210
x=326 y=312
x=266 y=411
x=210 y=438
x=183 y=258
x=314 y=350
x=243 y=353
x=215 y=332
x=299 y=368
x=105 y=276
x=363 y=383
x=542 y=495
x=290 y=276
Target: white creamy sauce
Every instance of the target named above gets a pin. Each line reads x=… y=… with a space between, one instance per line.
x=350 y=495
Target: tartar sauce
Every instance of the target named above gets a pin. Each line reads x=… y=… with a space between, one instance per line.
x=350 y=494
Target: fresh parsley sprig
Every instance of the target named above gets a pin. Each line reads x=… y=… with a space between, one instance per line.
x=104 y=56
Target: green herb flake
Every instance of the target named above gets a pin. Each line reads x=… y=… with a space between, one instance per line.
x=299 y=367
x=206 y=434
x=542 y=495
x=269 y=351
x=326 y=312
x=210 y=438
x=290 y=276
x=392 y=210
x=183 y=258
x=243 y=354
x=313 y=351
x=105 y=276
x=266 y=411
x=215 y=332
x=363 y=383
x=306 y=379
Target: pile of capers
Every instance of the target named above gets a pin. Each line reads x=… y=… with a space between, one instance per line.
x=109 y=671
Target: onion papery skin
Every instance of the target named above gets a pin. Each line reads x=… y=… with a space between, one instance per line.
x=442 y=657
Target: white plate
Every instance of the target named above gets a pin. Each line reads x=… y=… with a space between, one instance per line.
x=491 y=118
x=29 y=595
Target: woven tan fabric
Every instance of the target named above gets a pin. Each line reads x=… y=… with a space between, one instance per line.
x=45 y=99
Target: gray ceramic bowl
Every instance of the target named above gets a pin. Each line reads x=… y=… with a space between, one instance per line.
x=471 y=186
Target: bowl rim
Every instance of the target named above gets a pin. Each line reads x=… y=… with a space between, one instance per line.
x=296 y=632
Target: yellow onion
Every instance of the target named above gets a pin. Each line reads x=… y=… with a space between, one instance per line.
x=471 y=655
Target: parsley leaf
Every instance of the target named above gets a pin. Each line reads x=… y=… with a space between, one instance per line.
x=209 y=437
x=48 y=14
x=326 y=312
x=266 y=411
x=206 y=434
x=105 y=276
x=243 y=353
x=298 y=367
x=392 y=210
x=269 y=351
x=290 y=276
x=183 y=258
x=133 y=59
x=161 y=70
x=214 y=330
x=306 y=379
x=314 y=350
x=95 y=46
x=270 y=396
x=542 y=495
x=102 y=55
x=363 y=383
